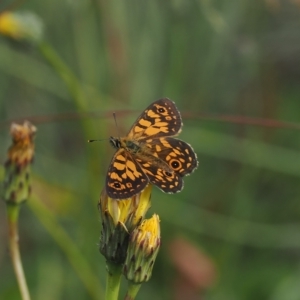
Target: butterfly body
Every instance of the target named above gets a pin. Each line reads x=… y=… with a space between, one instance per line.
x=149 y=153
x=127 y=144
x=140 y=151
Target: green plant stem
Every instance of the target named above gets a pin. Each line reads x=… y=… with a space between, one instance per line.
x=113 y=280
x=133 y=289
x=13 y=214
x=65 y=73
x=74 y=87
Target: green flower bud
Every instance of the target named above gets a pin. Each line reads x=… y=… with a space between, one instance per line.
x=143 y=248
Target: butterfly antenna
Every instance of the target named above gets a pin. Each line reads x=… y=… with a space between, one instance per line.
x=90 y=141
x=115 y=118
x=114 y=114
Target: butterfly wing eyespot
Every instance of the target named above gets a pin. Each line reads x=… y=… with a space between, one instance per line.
x=175 y=164
x=160 y=119
x=125 y=178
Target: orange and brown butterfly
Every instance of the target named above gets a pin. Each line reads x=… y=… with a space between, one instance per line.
x=150 y=154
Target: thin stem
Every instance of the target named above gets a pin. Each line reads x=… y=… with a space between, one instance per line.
x=13 y=214
x=75 y=88
x=133 y=289
x=113 y=280
x=72 y=83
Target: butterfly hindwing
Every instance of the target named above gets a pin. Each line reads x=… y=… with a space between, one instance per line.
x=159 y=119
x=178 y=154
x=169 y=182
x=125 y=178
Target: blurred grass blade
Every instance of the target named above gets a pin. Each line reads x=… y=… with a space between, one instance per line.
x=243 y=232
x=246 y=151
x=73 y=254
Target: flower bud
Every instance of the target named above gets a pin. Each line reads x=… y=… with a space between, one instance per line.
x=143 y=248
x=16 y=187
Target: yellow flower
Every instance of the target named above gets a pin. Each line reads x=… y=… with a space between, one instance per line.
x=143 y=248
x=17 y=167
x=21 y=25
x=119 y=218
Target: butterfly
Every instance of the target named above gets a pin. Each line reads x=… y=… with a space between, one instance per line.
x=150 y=154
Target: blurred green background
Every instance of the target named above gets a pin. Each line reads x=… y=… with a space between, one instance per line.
x=239 y=212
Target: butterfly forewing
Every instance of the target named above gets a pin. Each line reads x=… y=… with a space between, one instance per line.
x=160 y=119
x=125 y=178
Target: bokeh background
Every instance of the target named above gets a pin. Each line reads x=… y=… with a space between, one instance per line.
x=233 y=69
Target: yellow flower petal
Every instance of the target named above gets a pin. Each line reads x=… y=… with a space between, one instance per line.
x=149 y=232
